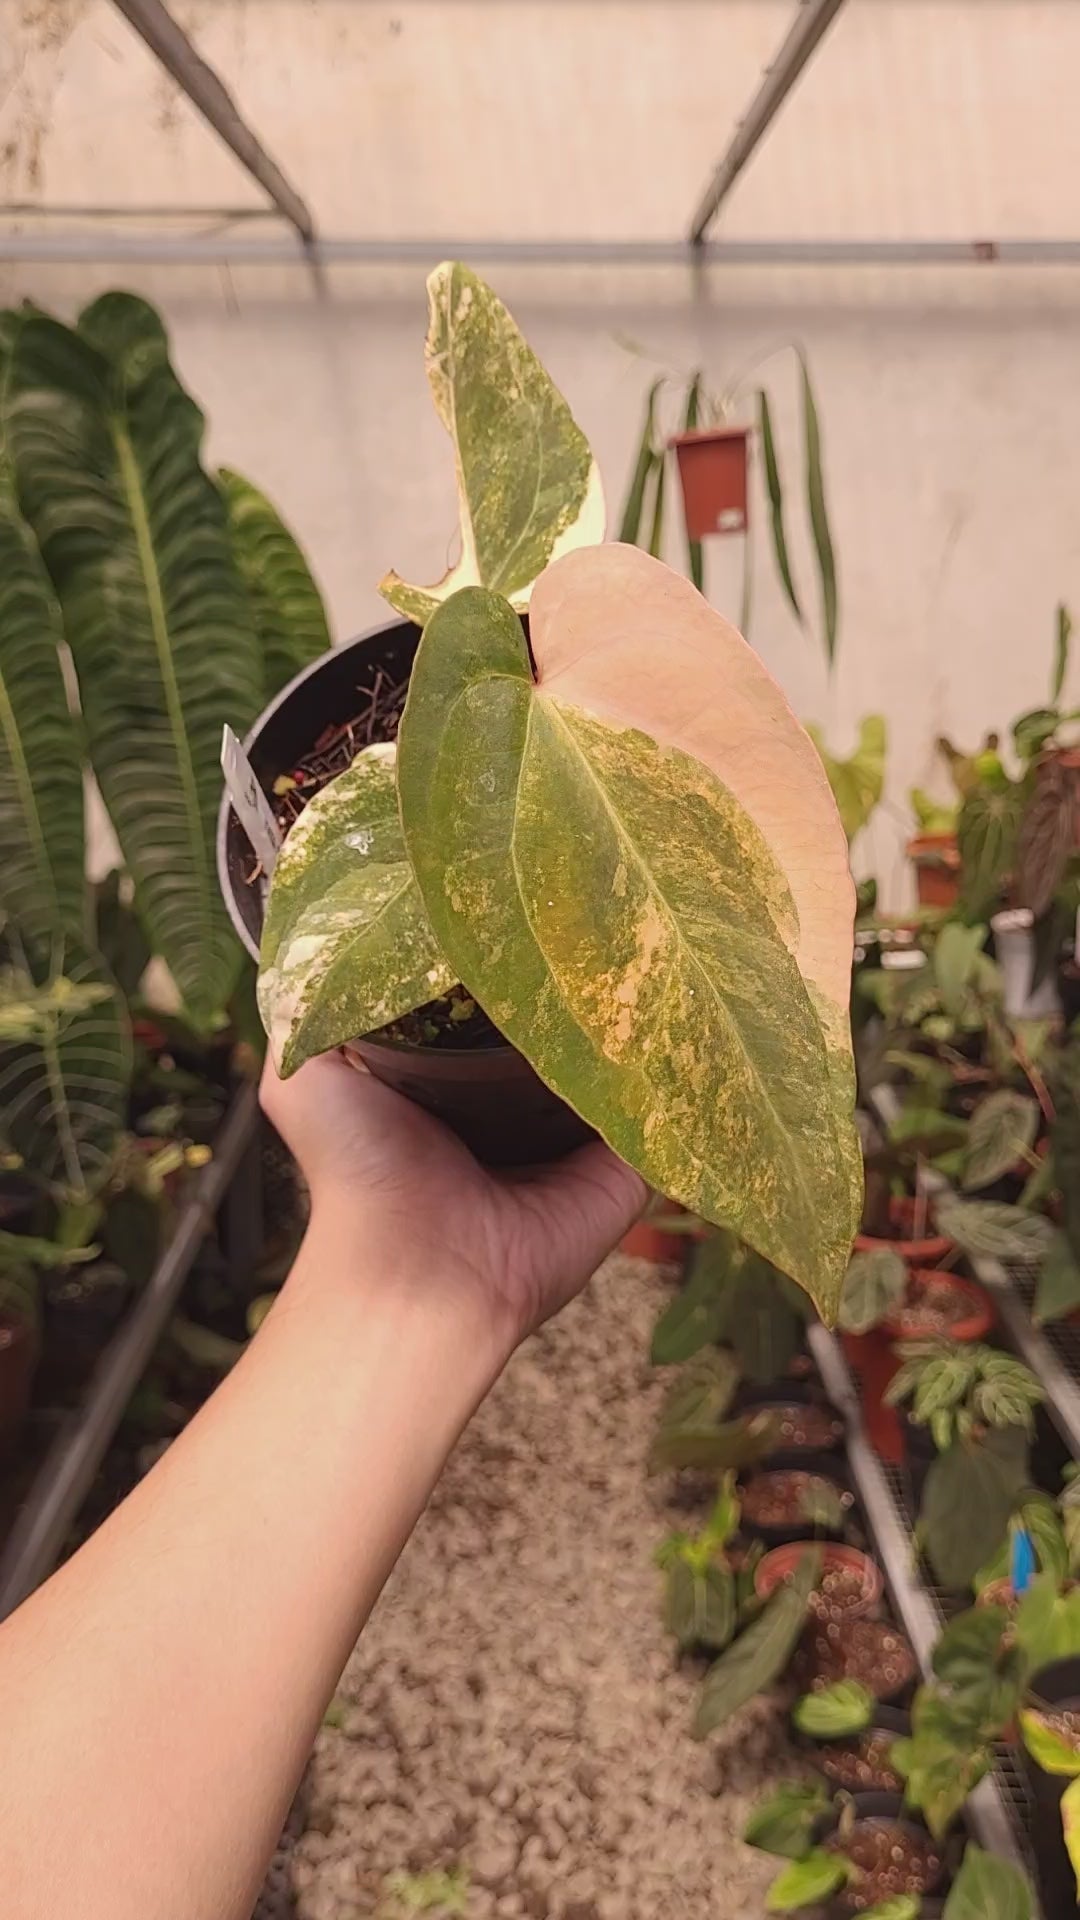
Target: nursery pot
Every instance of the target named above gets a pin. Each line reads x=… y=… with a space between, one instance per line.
x=810 y=1423
x=843 y=1570
x=19 y=1348
x=838 y=1760
x=974 y=1307
x=936 y=860
x=771 y=1485
x=873 y=1651
x=871 y=1811
x=928 y=1250
x=1055 y=1688
x=712 y=470
x=490 y=1097
x=647 y=1241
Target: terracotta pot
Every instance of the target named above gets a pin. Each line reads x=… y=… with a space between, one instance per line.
x=871 y=1357
x=936 y=860
x=781 y=1563
x=647 y=1241
x=927 y=1251
x=977 y=1323
x=713 y=469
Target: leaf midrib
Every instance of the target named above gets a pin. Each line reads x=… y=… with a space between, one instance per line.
x=27 y=800
x=131 y=483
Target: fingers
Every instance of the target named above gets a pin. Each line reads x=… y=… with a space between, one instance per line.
x=592 y=1193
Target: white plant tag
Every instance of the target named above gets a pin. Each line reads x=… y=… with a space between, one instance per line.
x=253 y=809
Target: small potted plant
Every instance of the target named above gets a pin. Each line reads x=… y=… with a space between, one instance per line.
x=807 y=1500
x=708 y=1586
x=874 y=1654
x=849 y=1587
x=758 y=1653
x=529 y=911
x=848 y=1736
x=850 y=1855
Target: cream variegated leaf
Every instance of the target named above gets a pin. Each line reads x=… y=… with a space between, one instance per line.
x=528 y=486
x=346 y=946
x=636 y=865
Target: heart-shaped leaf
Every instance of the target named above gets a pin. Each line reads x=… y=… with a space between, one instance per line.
x=989 y=1888
x=761 y=1652
x=346 y=946
x=857 y=782
x=969 y=1495
x=991 y=1230
x=835 y=1712
x=528 y=486
x=702 y=1393
x=1057 y=1291
x=784 y=1822
x=635 y=864
x=806 y=1882
x=1002 y=1130
x=290 y=619
x=696 y=1316
x=1050 y=1748
x=699 y=1605
x=875 y=1283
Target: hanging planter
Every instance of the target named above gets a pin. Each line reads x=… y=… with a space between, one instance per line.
x=713 y=466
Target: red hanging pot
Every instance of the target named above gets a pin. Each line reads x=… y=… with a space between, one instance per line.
x=713 y=472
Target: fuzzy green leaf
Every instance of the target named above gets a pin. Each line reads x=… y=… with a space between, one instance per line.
x=1047 y=1624
x=784 y=1822
x=1002 y=1129
x=701 y=1394
x=290 y=619
x=969 y=1496
x=699 y=1605
x=835 y=1712
x=776 y=505
x=622 y=918
x=988 y=1888
x=105 y=446
x=991 y=1230
x=986 y=835
x=1057 y=1291
x=528 y=486
x=347 y=946
x=761 y=1652
x=807 y=1882
x=874 y=1284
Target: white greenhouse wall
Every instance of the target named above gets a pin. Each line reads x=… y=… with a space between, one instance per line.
x=950 y=399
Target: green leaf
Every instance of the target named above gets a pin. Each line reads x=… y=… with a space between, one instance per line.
x=806 y=1882
x=761 y=1652
x=1070 y=1826
x=633 y=512
x=65 y=1067
x=1002 y=1129
x=1032 y=731
x=819 y=517
x=640 y=937
x=347 y=946
x=986 y=834
x=1052 y=1750
x=969 y=1646
x=759 y=1320
x=528 y=486
x=1063 y=632
x=290 y=619
x=702 y=1393
x=120 y=938
x=955 y=958
x=784 y=1822
x=1046 y=838
x=776 y=506
x=656 y=529
x=902 y=1906
x=105 y=446
x=699 y=1605
x=858 y=782
x=969 y=1495
x=990 y=1230
x=1039 y=1516
x=875 y=1283
x=989 y=1888
x=943 y=1761
x=1047 y=1623
x=1065 y=1138
x=42 y=881
x=835 y=1712
x=695 y=558
x=737 y=1443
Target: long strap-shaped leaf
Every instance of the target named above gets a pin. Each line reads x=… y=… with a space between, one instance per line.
x=662 y=924
x=105 y=445
x=290 y=618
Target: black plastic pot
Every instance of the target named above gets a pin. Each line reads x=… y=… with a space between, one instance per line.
x=881 y=1806
x=1053 y=1687
x=831 y=1467
x=789 y=1393
x=491 y=1097
x=889 y=1720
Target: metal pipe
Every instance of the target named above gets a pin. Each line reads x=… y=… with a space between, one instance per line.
x=804 y=35
x=68 y=1470
x=154 y=23
x=215 y=250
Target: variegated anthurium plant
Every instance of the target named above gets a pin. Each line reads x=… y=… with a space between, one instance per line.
x=614 y=832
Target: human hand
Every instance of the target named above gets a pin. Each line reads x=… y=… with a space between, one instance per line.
x=392 y=1183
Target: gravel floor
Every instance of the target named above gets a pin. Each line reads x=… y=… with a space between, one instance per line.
x=514 y=1706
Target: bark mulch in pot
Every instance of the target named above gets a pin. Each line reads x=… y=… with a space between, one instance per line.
x=791 y=1499
x=875 y=1652
x=861 y=1765
x=810 y=1425
x=892 y=1857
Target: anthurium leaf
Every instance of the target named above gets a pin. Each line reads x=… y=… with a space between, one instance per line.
x=818 y=511
x=955 y=957
x=290 y=619
x=1057 y=1290
x=105 y=447
x=1050 y=1748
x=835 y=1712
x=986 y=835
x=776 y=507
x=528 y=486
x=42 y=877
x=1047 y=1624
x=702 y=1393
x=969 y=1495
x=759 y=1319
x=640 y=909
x=762 y=1650
x=736 y=1443
x=989 y=1888
x=858 y=781
x=699 y=1605
x=1070 y=1826
x=806 y=1882
x=696 y=1315
x=1002 y=1130
x=991 y=1230
x=65 y=1067
x=875 y=1283
x=784 y=1822
x=695 y=557
x=347 y=946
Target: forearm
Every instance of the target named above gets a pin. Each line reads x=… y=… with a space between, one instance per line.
x=171 y=1677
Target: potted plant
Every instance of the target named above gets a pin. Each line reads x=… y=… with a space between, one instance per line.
x=734 y=1297
x=849 y=1586
x=708 y=1587
x=976 y=1408
x=804 y=1498
x=758 y=1654
x=712 y=451
x=872 y=1653
x=398 y=882
x=848 y=1736
x=859 y=1853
